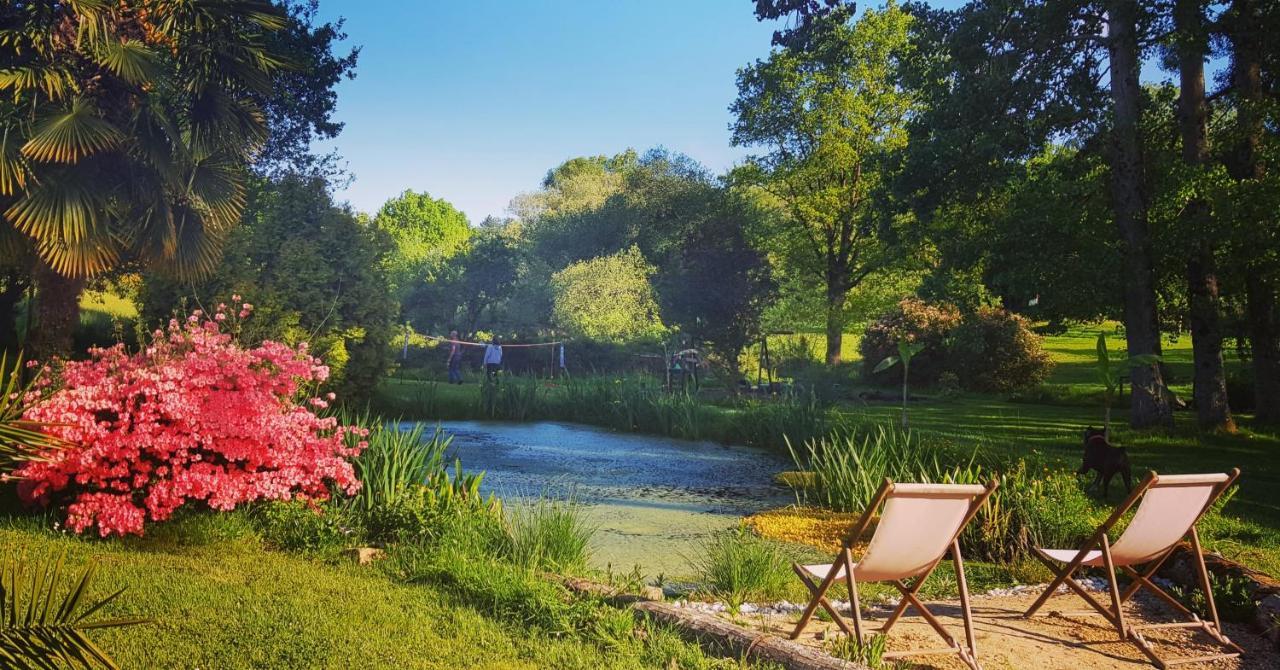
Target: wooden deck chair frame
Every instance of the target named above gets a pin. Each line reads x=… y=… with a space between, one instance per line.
x=1114 y=614
x=844 y=565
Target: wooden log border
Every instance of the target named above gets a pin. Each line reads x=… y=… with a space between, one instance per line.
x=714 y=632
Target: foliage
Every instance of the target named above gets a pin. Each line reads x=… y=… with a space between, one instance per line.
x=193 y=417
x=1111 y=373
x=995 y=350
x=869 y=653
x=548 y=535
x=21 y=440
x=424 y=231
x=607 y=298
x=1232 y=595
x=848 y=469
x=738 y=566
x=303 y=526
x=300 y=108
x=829 y=114
x=128 y=127
x=988 y=349
x=313 y=270
x=406 y=487
x=39 y=629
x=906 y=351
x=917 y=322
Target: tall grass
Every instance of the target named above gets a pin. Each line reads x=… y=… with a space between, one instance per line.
x=848 y=468
x=737 y=566
x=395 y=461
x=548 y=535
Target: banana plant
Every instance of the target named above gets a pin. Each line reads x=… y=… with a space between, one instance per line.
x=41 y=629
x=1111 y=373
x=906 y=350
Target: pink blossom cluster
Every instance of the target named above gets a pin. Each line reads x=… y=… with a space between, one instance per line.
x=192 y=417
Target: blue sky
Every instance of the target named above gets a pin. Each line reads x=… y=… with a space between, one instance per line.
x=474 y=101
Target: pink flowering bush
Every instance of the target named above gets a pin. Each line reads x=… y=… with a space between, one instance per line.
x=193 y=417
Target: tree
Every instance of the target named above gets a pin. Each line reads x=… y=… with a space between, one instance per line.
x=1005 y=78
x=607 y=298
x=425 y=231
x=829 y=116
x=128 y=127
x=716 y=286
x=300 y=106
x=1256 y=246
x=312 y=271
x=1205 y=312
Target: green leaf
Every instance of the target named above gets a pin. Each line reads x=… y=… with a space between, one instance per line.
x=131 y=60
x=72 y=135
x=887 y=363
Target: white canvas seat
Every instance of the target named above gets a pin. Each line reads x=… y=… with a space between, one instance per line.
x=918 y=524
x=1169 y=509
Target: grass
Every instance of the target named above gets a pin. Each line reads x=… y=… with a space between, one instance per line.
x=738 y=567
x=220 y=599
x=549 y=535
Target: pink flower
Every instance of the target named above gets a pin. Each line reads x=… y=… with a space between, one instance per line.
x=191 y=418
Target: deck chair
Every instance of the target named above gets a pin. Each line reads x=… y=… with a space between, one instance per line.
x=1171 y=506
x=917 y=526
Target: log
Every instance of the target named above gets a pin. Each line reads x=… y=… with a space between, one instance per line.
x=712 y=631
x=742 y=643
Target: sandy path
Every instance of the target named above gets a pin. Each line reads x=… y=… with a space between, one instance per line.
x=1052 y=640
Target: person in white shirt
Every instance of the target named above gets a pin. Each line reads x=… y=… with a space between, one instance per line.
x=493 y=358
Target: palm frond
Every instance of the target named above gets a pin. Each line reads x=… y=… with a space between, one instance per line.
x=54 y=81
x=131 y=60
x=72 y=135
x=21 y=441
x=42 y=628
x=13 y=167
x=60 y=207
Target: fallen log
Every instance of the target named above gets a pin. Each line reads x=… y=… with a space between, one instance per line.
x=741 y=642
x=712 y=631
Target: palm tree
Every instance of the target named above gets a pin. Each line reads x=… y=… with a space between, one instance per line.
x=126 y=127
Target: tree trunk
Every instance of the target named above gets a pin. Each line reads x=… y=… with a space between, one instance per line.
x=1150 y=405
x=1204 y=308
x=57 y=312
x=1245 y=164
x=1264 y=335
x=1204 y=313
x=15 y=285
x=835 y=323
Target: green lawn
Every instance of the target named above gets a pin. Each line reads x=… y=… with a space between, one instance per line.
x=219 y=599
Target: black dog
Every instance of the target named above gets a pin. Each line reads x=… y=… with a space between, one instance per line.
x=1104 y=459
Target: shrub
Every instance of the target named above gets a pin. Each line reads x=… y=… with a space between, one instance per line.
x=989 y=349
x=299 y=525
x=192 y=417
x=916 y=321
x=548 y=535
x=737 y=566
x=994 y=349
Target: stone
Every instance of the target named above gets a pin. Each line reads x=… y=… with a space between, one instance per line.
x=1267 y=618
x=365 y=555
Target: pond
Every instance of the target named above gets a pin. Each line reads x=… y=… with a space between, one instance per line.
x=652 y=500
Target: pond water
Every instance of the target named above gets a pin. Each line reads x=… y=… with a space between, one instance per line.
x=652 y=500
